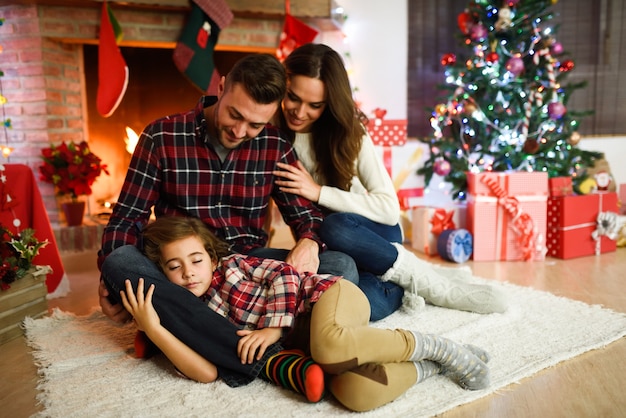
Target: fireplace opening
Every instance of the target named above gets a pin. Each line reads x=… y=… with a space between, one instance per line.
x=155 y=89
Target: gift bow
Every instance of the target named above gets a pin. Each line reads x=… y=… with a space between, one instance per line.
x=522 y=223
x=606 y=226
x=441 y=221
x=464 y=243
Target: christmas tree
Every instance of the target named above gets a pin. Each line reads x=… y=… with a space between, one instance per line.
x=506 y=105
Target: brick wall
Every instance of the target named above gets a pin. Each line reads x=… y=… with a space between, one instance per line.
x=42 y=65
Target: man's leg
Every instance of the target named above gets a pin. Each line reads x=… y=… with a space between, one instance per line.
x=183 y=314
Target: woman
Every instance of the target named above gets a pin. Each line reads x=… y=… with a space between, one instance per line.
x=264 y=297
x=340 y=170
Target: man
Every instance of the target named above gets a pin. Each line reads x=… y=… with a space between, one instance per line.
x=214 y=162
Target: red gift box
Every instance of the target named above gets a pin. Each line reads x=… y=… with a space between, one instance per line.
x=622 y=198
x=506 y=215
x=572 y=221
x=560 y=186
x=386 y=132
x=427 y=223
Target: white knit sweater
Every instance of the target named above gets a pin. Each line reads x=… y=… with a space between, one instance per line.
x=372 y=194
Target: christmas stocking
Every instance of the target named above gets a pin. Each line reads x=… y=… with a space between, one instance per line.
x=295 y=33
x=193 y=55
x=112 y=69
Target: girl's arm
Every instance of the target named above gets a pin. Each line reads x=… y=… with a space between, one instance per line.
x=187 y=361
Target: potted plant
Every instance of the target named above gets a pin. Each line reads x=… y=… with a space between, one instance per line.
x=72 y=168
x=17 y=252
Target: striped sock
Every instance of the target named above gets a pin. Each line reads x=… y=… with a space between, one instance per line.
x=293 y=370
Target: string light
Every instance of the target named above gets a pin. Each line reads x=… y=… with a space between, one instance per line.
x=6 y=123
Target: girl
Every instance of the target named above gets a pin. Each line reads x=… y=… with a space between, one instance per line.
x=340 y=170
x=269 y=301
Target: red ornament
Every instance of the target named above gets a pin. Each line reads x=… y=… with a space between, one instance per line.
x=448 y=59
x=492 y=57
x=515 y=65
x=566 y=66
x=531 y=146
x=442 y=167
x=465 y=22
x=556 y=110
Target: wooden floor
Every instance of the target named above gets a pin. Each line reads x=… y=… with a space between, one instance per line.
x=590 y=385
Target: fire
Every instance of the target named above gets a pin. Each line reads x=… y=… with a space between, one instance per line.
x=131 y=140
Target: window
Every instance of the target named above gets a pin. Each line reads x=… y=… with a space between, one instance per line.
x=591 y=33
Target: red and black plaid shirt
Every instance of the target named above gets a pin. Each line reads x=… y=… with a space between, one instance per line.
x=177 y=171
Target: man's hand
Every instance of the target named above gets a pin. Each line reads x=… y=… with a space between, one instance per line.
x=115 y=312
x=304 y=256
x=253 y=344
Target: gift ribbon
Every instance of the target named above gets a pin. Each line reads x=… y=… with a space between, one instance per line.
x=442 y=220
x=606 y=226
x=522 y=223
x=463 y=243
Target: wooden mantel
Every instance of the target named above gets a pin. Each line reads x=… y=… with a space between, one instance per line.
x=325 y=14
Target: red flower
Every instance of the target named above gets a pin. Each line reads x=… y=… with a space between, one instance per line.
x=72 y=168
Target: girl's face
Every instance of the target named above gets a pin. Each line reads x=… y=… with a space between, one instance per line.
x=304 y=103
x=186 y=263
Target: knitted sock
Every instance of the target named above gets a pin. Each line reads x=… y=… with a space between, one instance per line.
x=293 y=370
x=458 y=362
x=144 y=348
x=426 y=369
x=421 y=280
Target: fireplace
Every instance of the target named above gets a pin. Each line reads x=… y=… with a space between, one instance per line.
x=156 y=88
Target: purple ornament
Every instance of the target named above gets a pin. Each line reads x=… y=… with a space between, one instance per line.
x=515 y=65
x=478 y=33
x=556 y=48
x=556 y=110
x=442 y=167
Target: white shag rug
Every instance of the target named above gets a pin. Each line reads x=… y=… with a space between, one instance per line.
x=87 y=367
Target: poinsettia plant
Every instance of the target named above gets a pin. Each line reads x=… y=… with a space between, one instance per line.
x=72 y=168
x=17 y=252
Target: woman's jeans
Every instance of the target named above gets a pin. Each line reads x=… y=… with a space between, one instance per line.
x=369 y=244
x=184 y=315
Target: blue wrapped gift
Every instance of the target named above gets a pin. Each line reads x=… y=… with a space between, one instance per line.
x=455 y=245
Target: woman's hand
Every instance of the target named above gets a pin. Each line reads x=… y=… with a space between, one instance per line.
x=297 y=180
x=140 y=307
x=255 y=343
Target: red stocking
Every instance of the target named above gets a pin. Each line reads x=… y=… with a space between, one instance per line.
x=112 y=69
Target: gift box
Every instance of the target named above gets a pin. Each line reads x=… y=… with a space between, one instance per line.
x=582 y=225
x=455 y=245
x=387 y=132
x=402 y=163
x=622 y=198
x=506 y=215
x=427 y=223
x=560 y=186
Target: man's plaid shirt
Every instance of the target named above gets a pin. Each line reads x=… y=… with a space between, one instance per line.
x=177 y=171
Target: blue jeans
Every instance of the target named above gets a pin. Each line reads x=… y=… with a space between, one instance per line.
x=184 y=315
x=331 y=262
x=369 y=244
